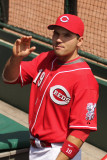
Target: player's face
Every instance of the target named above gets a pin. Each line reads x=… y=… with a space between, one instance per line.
x=65 y=44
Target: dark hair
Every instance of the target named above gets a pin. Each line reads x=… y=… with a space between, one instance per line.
x=78 y=36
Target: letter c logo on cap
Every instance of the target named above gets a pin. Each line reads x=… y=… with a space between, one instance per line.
x=64 y=19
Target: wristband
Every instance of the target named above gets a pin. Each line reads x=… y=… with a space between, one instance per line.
x=69 y=149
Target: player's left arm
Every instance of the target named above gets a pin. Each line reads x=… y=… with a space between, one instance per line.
x=73 y=144
x=85 y=96
x=68 y=150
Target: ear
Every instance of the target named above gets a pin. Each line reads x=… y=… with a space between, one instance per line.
x=80 y=41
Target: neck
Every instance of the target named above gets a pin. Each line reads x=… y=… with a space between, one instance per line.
x=68 y=58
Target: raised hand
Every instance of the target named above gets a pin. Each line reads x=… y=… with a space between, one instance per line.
x=22 y=48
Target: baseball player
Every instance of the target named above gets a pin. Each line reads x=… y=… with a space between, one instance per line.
x=64 y=92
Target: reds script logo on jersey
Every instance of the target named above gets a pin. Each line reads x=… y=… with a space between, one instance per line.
x=59 y=95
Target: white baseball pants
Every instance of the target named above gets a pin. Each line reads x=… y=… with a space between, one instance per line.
x=48 y=153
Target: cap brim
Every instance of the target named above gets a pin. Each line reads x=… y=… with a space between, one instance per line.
x=51 y=27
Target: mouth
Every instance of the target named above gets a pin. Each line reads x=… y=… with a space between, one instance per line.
x=58 y=47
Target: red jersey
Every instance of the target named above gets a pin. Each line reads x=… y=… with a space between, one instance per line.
x=63 y=96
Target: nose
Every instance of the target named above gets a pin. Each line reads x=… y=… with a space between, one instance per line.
x=59 y=39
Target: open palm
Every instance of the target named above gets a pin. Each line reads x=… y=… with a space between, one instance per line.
x=22 y=48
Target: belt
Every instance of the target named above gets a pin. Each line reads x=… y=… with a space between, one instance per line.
x=40 y=145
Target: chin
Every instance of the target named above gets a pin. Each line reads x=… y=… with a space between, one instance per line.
x=58 y=52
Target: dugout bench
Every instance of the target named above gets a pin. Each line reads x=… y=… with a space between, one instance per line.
x=14 y=140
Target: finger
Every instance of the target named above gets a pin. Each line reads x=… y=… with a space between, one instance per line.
x=26 y=38
x=32 y=49
x=25 y=41
x=28 y=51
x=17 y=43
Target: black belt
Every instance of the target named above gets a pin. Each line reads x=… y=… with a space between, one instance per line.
x=42 y=143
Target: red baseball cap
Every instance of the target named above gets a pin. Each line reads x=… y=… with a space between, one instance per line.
x=70 y=22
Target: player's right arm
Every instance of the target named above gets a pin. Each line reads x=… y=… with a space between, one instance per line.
x=21 y=49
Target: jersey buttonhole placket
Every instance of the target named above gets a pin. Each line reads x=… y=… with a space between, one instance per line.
x=42 y=97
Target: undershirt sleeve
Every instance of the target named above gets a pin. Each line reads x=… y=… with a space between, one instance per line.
x=80 y=133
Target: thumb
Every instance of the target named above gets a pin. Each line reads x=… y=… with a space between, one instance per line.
x=28 y=51
x=32 y=49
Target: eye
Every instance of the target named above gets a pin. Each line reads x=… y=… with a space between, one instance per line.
x=68 y=35
x=55 y=33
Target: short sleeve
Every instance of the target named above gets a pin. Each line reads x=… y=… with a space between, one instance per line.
x=27 y=71
x=84 y=108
